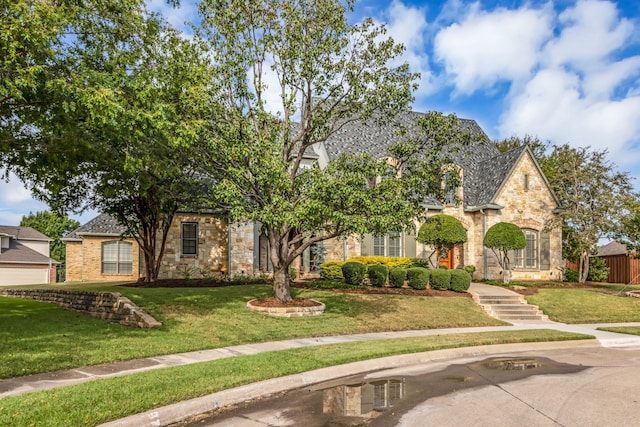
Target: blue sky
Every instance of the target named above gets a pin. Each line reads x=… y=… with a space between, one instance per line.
x=564 y=71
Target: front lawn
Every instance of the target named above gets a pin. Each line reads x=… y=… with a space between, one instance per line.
x=586 y=306
x=39 y=337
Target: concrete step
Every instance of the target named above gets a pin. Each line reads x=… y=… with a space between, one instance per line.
x=510 y=307
x=523 y=317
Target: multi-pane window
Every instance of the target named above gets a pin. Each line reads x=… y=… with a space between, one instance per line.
x=117 y=257
x=527 y=257
x=389 y=245
x=189 y=238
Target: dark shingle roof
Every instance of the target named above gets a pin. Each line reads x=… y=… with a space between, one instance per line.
x=372 y=138
x=483 y=179
x=484 y=167
x=23 y=233
x=102 y=225
x=17 y=253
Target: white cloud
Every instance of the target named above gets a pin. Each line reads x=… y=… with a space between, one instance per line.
x=408 y=25
x=591 y=31
x=489 y=47
x=13 y=191
x=177 y=17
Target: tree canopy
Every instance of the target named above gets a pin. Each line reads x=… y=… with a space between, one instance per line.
x=290 y=74
x=442 y=232
x=501 y=238
x=53 y=225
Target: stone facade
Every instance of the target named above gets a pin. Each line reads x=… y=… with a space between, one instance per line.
x=212 y=248
x=243 y=239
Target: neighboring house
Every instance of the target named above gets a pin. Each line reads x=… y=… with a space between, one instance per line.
x=496 y=187
x=623 y=266
x=24 y=257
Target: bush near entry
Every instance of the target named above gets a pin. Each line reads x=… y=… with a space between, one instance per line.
x=418 y=277
x=440 y=279
x=460 y=280
x=397 y=276
x=331 y=270
x=378 y=274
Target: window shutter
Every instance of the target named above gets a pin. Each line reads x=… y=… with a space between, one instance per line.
x=366 y=245
x=545 y=251
x=410 y=245
x=512 y=259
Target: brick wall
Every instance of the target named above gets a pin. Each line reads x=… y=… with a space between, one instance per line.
x=84 y=261
x=109 y=306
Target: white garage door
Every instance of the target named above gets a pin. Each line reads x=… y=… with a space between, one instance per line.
x=23 y=276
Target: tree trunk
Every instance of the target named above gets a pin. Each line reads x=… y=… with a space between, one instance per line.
x=583 y=267
x=281 y=288
x=506 y=276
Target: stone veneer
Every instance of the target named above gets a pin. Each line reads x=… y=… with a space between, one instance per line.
x=241 y=249
x=212 y=254
x=109 y=306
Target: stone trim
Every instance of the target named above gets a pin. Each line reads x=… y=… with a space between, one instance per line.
x=110 y=306
x=315 y=310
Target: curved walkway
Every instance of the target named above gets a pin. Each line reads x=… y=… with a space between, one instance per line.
x=20 y=385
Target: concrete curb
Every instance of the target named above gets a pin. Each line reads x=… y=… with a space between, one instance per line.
x=182 y=410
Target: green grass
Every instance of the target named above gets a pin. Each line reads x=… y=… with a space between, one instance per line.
x=630 y=330
x=586 y=306
x=103 y=400
x=38 y=337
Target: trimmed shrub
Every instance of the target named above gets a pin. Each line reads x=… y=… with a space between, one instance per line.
x=378 y=275
x=353 y=272
x=397 y=276
x=418 y=277
x=331 y=270
x=460 y=280
x=390 y=262
x=469 y=269
x=571 y=275
x=440 y=279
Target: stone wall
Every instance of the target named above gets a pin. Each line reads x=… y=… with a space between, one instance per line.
x=109 y=306
x=242 y=249
x=212 y=256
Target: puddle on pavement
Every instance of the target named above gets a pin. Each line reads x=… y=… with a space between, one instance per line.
x=357 y=401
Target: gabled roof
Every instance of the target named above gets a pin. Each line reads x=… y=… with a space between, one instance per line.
x=17 y=253
x=23 y=233
x=102 y=225
x=612 y=248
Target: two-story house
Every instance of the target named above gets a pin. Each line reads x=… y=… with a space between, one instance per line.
x=496 y=187
x=24 y=257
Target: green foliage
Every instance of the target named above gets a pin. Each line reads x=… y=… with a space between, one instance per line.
x=419 y=262
x=384 y=260
x=442 y=232
x=353 y=272
x=52 y=225
x=418 y=277
x=378 y=274
x=469 y=269
x=331 y=270
x=503 y=237
x=440 y=279
x=571 y=276
x=598 y=270
x=397 y=276
x=460 y=280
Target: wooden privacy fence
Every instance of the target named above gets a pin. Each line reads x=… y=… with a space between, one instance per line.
x=622 y=269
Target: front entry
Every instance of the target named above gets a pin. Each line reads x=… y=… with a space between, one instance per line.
x=448 y=260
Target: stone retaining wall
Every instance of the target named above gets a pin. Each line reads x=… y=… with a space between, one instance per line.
x=109 y=306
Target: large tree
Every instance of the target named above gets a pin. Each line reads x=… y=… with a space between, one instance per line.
x=119 y=103
x=592 y=194
x=290 y=74
x=52 y=225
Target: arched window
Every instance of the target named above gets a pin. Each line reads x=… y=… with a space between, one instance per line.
x=117 y=257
